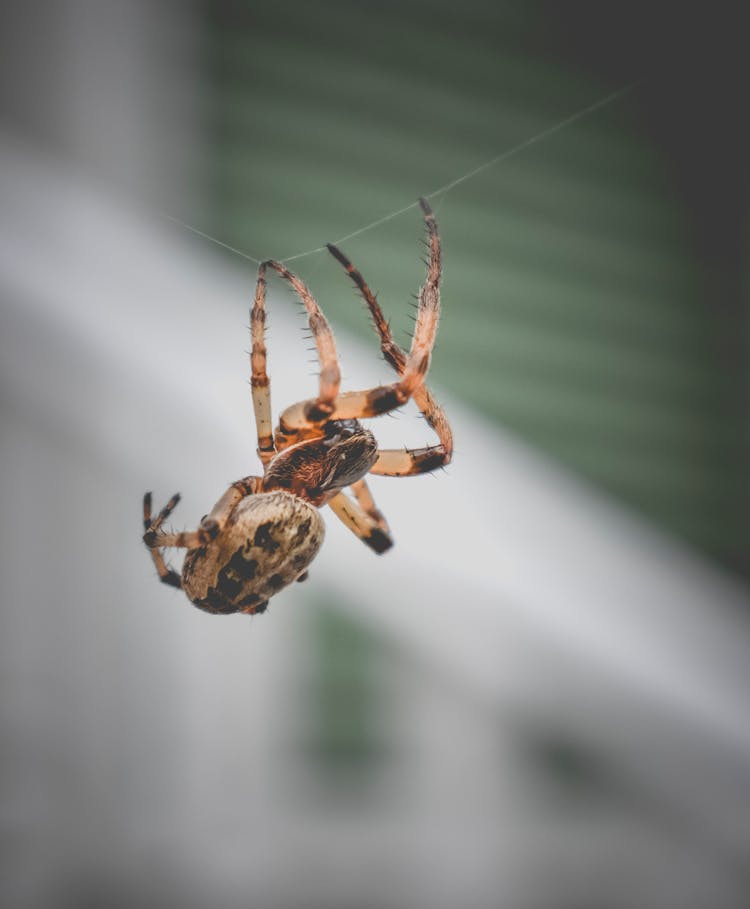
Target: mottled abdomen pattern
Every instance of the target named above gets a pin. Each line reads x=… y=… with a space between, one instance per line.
x=268 y=542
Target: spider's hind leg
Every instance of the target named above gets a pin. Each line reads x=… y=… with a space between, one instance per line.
x=210 y=527
x=166 y=574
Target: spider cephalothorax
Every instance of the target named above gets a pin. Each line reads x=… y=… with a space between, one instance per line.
x=316 y=469
x=264 y=531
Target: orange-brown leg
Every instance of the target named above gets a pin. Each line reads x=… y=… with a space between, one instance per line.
x=310 y=414
x=156 y=539
x=428 y=308
x=392 y=352
x=401 y=462
x=366 y=502
x=367 y=528
x=376 y=401
x=166 y=574
x=261 y=385
x=407 y=462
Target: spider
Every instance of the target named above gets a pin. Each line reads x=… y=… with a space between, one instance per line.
x=264 y=531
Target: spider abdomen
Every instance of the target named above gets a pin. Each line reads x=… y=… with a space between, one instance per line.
x=267 y=543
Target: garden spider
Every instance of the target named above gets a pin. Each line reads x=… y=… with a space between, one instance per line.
x=264 y=531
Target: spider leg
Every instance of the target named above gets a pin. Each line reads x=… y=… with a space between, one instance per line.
x=166 y=574
x=404 y=463
x=366 y=502
x=392 y=352
x=428 y=311
x=260 y=382
x=376 y=401
x=368 y=529
x=408 y=462
x=210 y=527
x=318 y=410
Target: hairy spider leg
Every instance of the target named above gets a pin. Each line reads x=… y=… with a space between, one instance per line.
x=261 y=385
x=375 y=401
x=166 y=574
x=366 y=502
x=210 y=527
x=367 y=528
x=314 y=413
x=363 y=517
x=405 y=462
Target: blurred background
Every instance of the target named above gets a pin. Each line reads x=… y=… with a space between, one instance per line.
x=539 y=697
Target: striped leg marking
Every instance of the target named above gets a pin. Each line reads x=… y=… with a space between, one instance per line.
x=360 y=523
x=261 y=385
x=320 y=409
x=403 y=462
x=211 y=526
x=366 y=502
x=166 y=574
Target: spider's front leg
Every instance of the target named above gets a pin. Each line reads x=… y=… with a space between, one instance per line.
x=259 y=381
x=406 y=462
x=318 y=410
x=308 y=415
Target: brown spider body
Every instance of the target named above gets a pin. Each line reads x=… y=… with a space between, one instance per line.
x=264 y=531
x=267 y=543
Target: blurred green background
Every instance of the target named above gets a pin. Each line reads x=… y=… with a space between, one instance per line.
x=594 y=297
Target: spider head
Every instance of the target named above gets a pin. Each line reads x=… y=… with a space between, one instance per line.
x=352 y=450
x=316 y=468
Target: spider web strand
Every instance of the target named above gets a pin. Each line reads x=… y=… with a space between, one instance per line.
x=200 y=233
x=503 y=156
x=354 y=233
x=442 y=190
x=522 y=146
